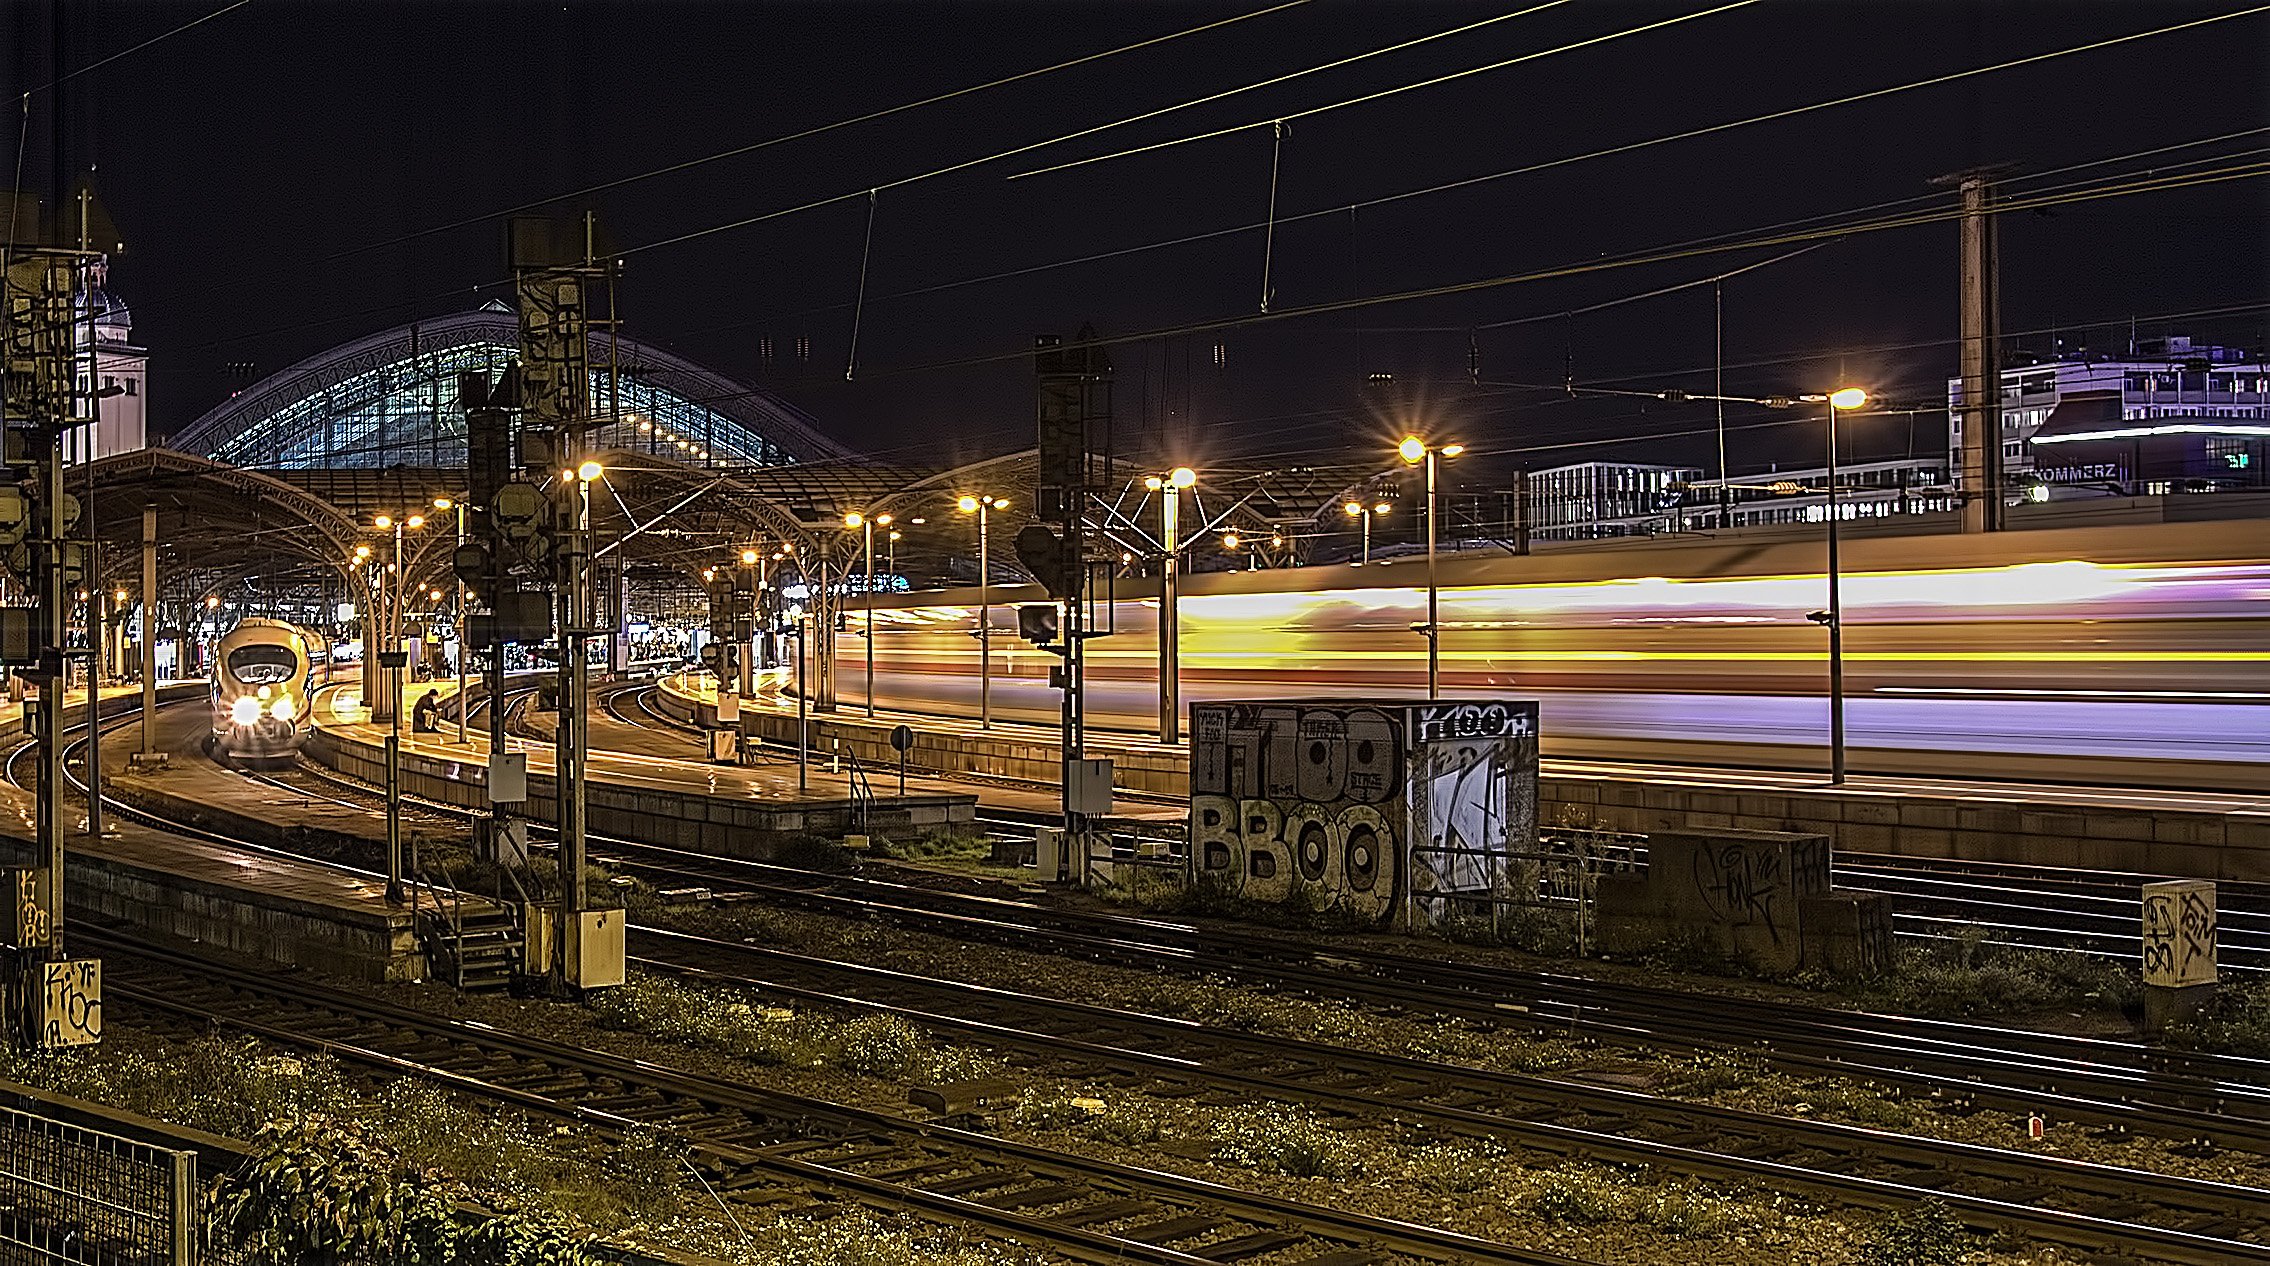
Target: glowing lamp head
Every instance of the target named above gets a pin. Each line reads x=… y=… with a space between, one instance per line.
x=383 y=522
x=414 y=522
x=1351 y=508
x=894 y=534
x=119 y=596
x=882 y=520
x=709 y=573
x=283 y=709
x=1412 y=449
x=212 y=601
x=589 y=471
x=748 y=558
x=1381 y=508
x=1229 y=540
x=855 y=520
x=967 y=505
x=1182 y=477
x=1848 y=398
x=444 y=503
x=1153 y=482
x=362 y=552
x=1452 y=450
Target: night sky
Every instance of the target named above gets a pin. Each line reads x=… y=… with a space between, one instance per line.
x=265 y=168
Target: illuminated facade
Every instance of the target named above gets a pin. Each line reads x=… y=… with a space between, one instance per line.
x=121 y=382
x=2165 y=378
x=391 y=399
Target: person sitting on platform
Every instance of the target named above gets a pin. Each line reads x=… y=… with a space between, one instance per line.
x=426 y=716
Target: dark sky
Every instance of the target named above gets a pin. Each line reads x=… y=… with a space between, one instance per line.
x=262 y=167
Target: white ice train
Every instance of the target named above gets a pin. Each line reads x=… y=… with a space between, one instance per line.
x=261 y=684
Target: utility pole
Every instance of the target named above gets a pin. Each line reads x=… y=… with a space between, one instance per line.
x=555 y=377
x=39 y=404
x=1075 y=408
x=1980 y=481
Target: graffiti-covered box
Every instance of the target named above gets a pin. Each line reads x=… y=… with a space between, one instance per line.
x=1388 y=810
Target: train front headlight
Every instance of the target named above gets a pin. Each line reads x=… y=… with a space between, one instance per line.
x=245 y=711
x=283 y=709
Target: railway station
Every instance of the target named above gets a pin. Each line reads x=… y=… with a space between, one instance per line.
x=563 y=753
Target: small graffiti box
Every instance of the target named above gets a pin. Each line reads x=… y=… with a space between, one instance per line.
x=1384 y=809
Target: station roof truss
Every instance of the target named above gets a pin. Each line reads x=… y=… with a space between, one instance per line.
x=391 y=399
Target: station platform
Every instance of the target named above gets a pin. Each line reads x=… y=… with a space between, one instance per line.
x=2201 y=834
x=677 y=800
x=251 y=902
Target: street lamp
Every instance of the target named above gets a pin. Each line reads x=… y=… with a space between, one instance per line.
x=1359 y=511
x=449 y=505
x=1169 y=486
x=983 y=506
x=390 y=633
x=1415 y=451
x=865 y=525
x=1843 y=398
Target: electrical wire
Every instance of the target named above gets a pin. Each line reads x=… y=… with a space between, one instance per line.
x=1385 y=93
x=2241 y=172
x=1145 y=116
x=128 y=52
x=820 y=130
x=1452 y=186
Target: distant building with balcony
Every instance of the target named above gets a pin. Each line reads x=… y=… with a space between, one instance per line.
x=2168 y=382
x=1595 y=500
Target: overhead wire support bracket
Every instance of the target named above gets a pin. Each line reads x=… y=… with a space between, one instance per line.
x=859 y=304
x=1269 y=236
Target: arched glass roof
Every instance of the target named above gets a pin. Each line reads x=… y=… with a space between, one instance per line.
x=390 y=399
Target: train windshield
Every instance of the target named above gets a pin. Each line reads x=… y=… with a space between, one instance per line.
x=263 y=664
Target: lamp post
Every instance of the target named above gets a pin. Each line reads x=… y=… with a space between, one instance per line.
x=1365 y=514
x=1845 y=398
x=1169 y=487
x=746 y=647
x=865 y=526
x=448 y=504
x=390 y=637
x=983 y=507
x=1415 y=451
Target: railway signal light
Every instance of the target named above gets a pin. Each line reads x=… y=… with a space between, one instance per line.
x=1037 y=623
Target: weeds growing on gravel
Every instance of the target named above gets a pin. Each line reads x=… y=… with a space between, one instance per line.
x=2235 y=1022
x=1265 y=1136
x=1599 y=1193
x=734 y=1023
x=1928 y=1234
x=1968 y=974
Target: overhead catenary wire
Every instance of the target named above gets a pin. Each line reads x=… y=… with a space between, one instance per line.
x=962 y=165
x=128 y=52
x=870 y=116
x=1352 y=208
x=2242 y=172
x=1384 y=93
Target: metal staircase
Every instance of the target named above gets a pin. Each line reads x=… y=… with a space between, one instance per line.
x=477 y=950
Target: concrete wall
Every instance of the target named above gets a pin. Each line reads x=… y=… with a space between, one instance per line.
x=1761 y=897
x=732 y=827
x=2042 y=831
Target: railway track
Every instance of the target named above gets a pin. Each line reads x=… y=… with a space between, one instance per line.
x=2084 y=1206
x=2091 y=1207
x=1084 y=1208
x=2222 y=1101
x=2216 y=1101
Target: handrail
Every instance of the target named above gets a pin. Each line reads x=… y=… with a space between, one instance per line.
x=862 y=791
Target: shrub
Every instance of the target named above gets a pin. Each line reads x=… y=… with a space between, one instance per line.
x=1929 y=1234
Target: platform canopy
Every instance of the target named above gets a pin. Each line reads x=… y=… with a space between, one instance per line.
x=391 y=400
